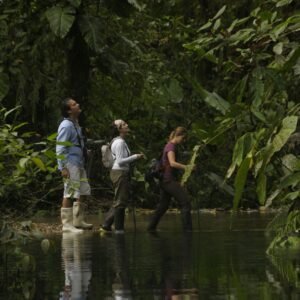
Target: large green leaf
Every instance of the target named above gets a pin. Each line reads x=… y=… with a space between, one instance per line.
x=212 y=99
x=61 y=19
x=289 y=125
x=241 y=148
x=90 y=28
x=237 y=157
x=216 y=101
x=290 y=163
x=261 y=188
x=290 y=180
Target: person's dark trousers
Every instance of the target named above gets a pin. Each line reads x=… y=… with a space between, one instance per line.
x=109 y=219
x=116 y=214
x=160 y=210
x=168 y=190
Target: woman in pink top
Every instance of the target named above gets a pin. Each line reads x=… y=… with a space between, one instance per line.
x=170 y=185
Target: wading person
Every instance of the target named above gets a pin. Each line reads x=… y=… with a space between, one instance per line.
x=71 y=161
x=170 y=185
x=120 y=177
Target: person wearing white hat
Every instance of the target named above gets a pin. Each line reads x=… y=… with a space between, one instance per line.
x=120 y=177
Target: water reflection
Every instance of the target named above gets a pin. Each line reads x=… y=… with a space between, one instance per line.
x=212 y=263
x=174 y=268
x=76 y=255
x=121 y=282
x=287 y=265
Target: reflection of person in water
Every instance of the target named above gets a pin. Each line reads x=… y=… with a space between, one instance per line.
x=76 y=255
x=174 y=266
x=121 y=284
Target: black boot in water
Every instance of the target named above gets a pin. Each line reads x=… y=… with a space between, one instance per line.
x=119 y=220
x=186 y=218
x=154 y=221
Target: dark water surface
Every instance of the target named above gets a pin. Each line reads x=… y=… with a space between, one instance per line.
x=224 y=258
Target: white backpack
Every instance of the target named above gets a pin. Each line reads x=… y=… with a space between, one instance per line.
x=107 y=155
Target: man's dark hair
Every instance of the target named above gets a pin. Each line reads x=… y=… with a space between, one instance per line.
x=65 y=107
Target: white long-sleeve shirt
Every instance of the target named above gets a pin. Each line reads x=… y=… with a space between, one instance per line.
x=122 y=155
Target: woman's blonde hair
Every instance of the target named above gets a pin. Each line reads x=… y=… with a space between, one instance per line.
x=179 y=131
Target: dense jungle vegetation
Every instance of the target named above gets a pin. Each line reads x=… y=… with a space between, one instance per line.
x=229 y=71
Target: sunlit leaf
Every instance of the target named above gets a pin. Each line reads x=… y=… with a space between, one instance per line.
x=190 y=167
x=39 y=163
x=261 y=188
x=289 y=125
x=278 y=48
x=136 y=4
x=19 y=125
x=290 y=163
x=283 y=3
x=242 y=35
x=219 y=13
x=205 y=26
x=52 y=137
x=237 y=22
x=217 y=24
x=11 y=111
x=23 y=161
x=280 y=28
x=214 y=100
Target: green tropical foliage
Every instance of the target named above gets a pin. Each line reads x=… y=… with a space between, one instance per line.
x=229 y=73
x=28 y=169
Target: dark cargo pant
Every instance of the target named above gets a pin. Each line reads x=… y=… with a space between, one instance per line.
x=168 y=190
x=121 y=185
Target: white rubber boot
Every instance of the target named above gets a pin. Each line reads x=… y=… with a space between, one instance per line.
x=67 y=220
x=78 y=216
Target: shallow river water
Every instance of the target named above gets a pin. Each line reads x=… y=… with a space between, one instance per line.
x=224 y=258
